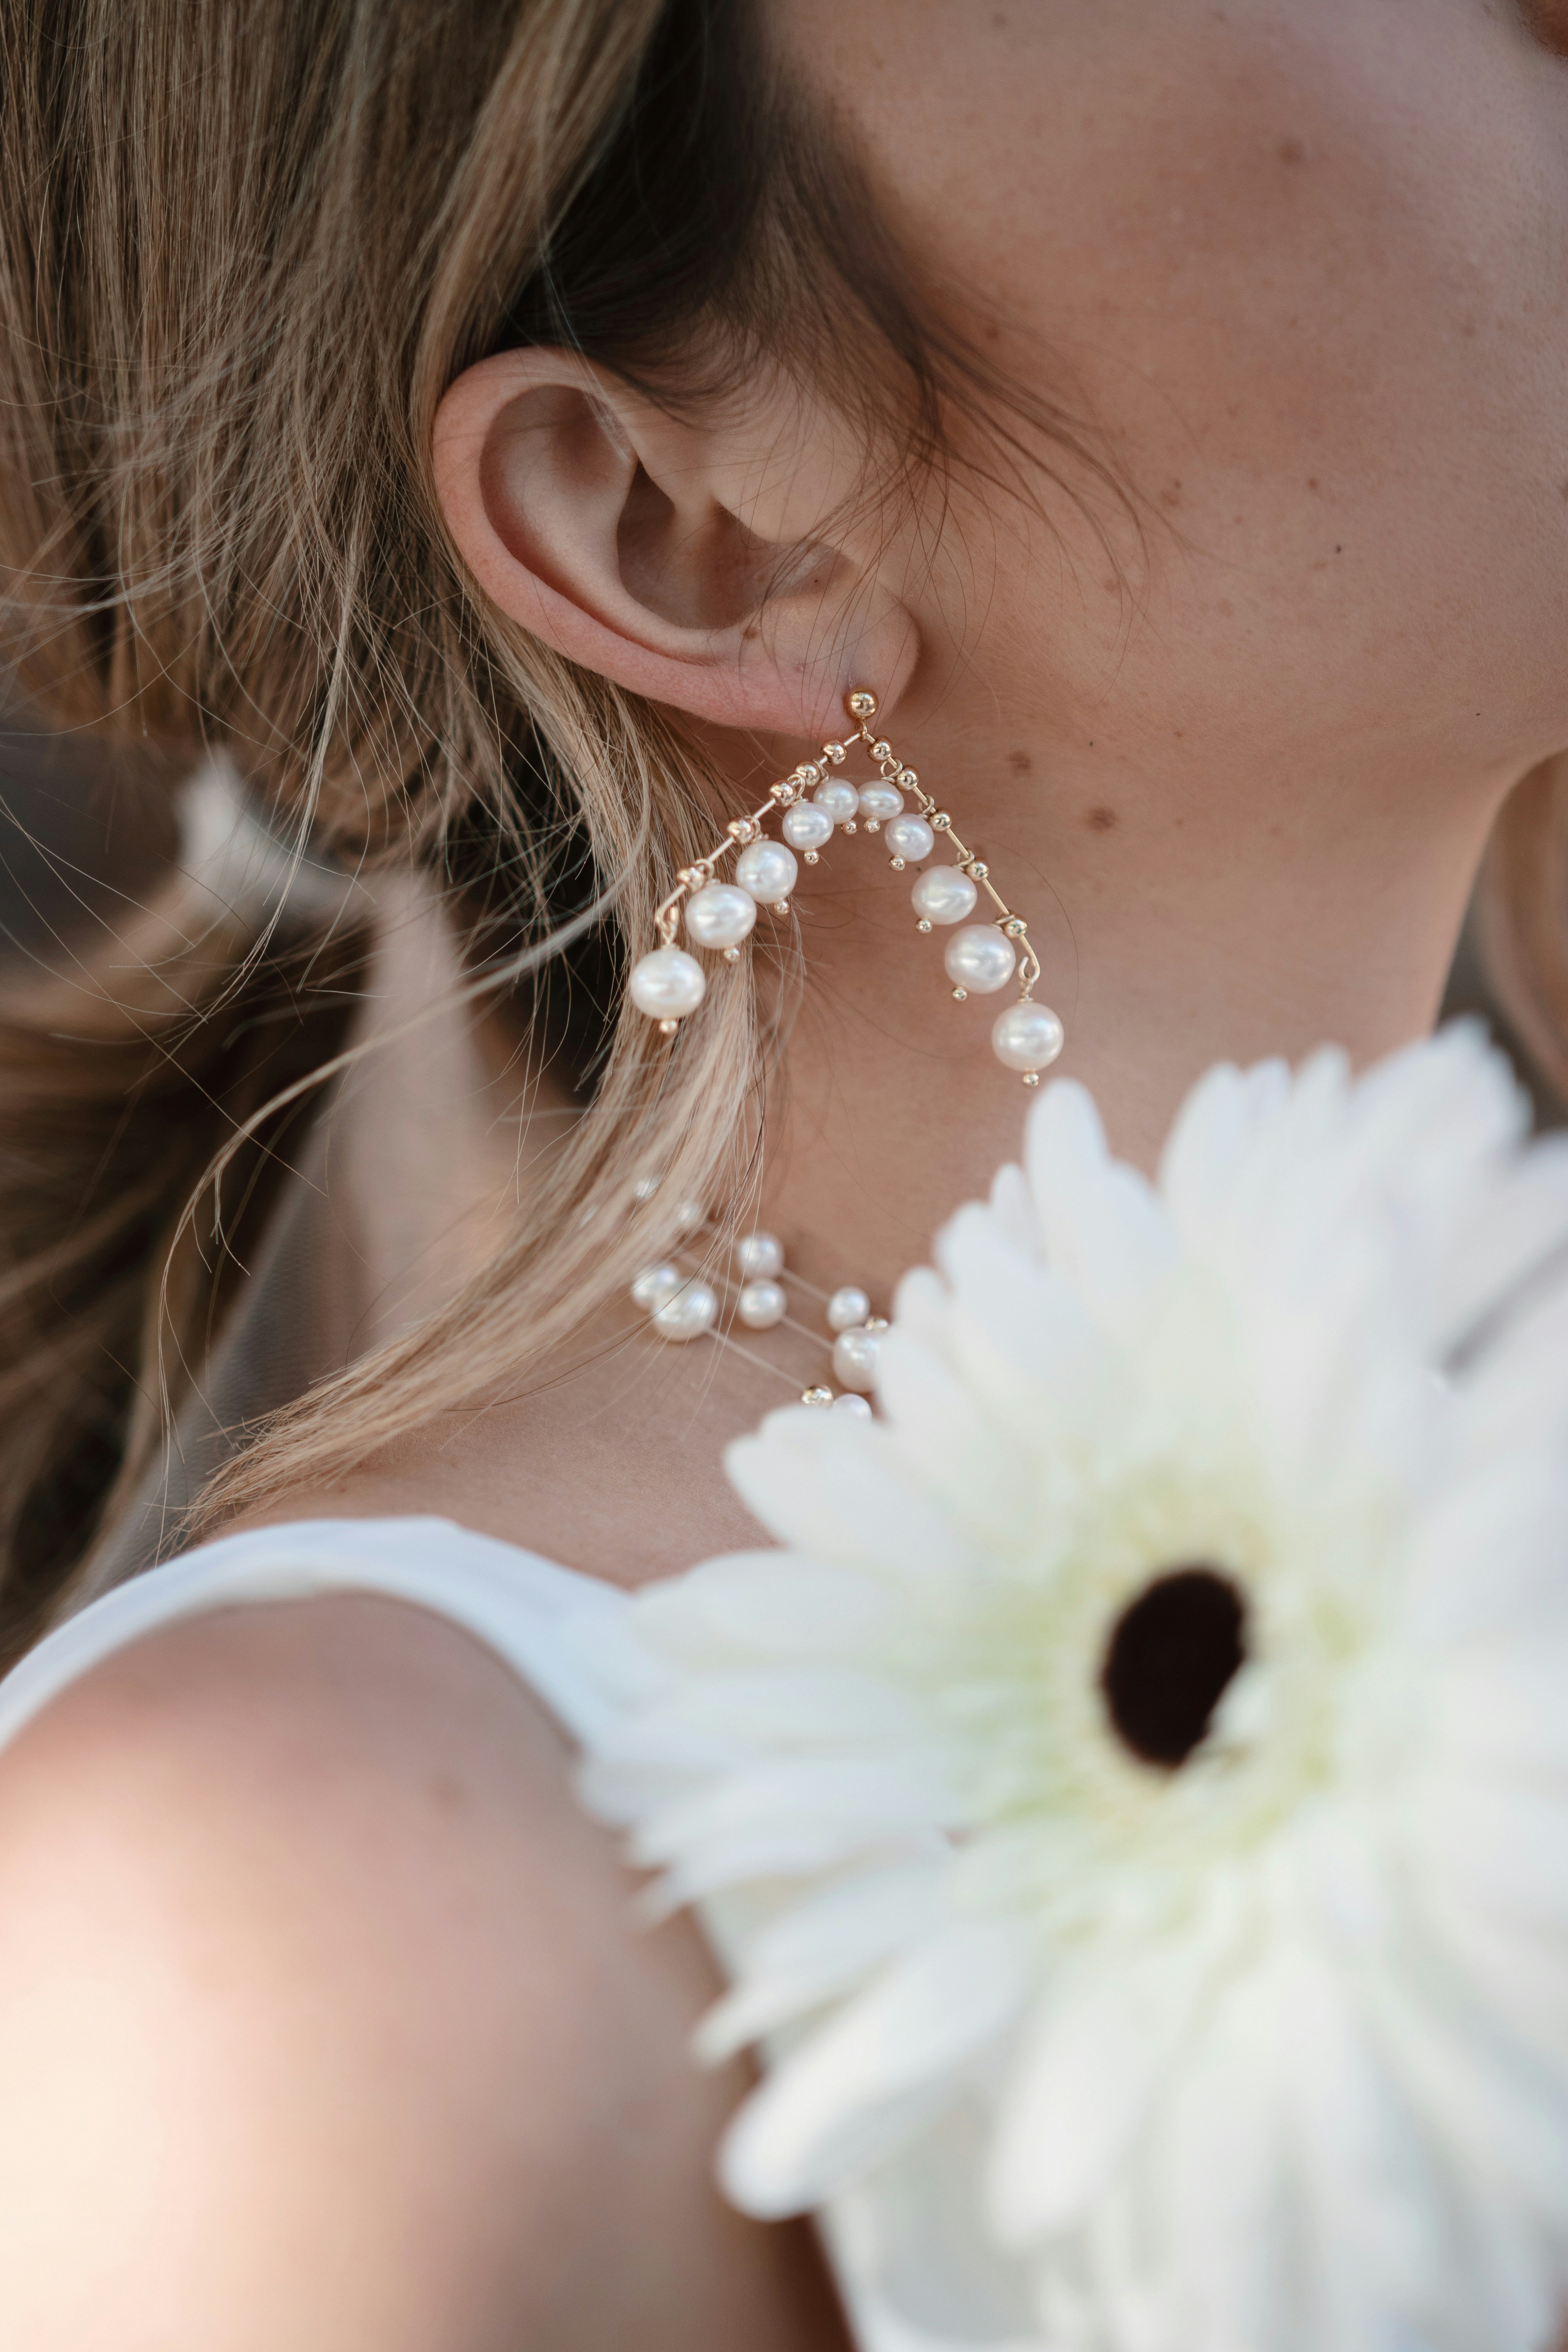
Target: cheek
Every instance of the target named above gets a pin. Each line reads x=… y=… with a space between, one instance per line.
x=1304 y=274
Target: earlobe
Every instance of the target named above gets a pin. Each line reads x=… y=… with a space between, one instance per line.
x=633 y=543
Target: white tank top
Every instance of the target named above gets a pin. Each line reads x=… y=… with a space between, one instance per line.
x=888 y=2248
x=319 y=1295
x=514 y=1602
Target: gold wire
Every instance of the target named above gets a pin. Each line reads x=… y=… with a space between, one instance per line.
x=743 y=830
x=789 y=789
x=684 y=1254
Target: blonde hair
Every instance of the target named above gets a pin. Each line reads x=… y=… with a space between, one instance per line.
x=248 y=245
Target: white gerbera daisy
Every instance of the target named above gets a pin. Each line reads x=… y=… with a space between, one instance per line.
x=1136 y=1798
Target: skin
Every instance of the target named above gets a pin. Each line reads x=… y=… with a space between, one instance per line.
x=1232 y=740
x=322 y=2005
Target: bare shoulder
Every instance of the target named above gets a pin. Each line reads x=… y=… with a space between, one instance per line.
x=323 y=2002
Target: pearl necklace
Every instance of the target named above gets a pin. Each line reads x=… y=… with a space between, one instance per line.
x=681 y=1305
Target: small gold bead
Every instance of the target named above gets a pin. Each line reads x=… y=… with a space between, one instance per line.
x=811 y=857
x=740 y=828
x=922 y=925
x=908 y=778
x=836 y=752
x=1015 y=927
x=817 y=1396
x=1031 y=1077
x=732 y=955
x=781 y=905
x=941 y=821
x=850 y=826
x=668 y=1028
x=978 y=868
x=809 y=772
x=860 y=704
x=873 y=824
x=882 y=750
x=961 y=996
x=786 y=792
x=897 y=864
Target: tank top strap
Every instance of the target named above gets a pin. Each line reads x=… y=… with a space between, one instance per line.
x=539 y=1618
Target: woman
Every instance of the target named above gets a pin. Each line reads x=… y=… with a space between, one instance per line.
x=504 y=430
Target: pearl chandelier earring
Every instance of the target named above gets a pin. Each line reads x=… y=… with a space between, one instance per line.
x=813 y=801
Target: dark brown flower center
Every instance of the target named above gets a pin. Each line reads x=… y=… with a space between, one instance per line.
x=1171 y=1654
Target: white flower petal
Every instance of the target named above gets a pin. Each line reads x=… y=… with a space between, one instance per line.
x=1368 y=2245
x=1017 y=1334
x=1512 y=1235
x=753 y=1605
x=1501 y=1847
x=1511 y=1390
x=1502 y=2193
x=1014 y=1209
x=956 y=1447
x=818 y=1949
x=1512 y=1514
x=922 y=1310
x=1096 y=2052
x=1273 y=2045
x=1210 y=1138
x=1104 y=1228
x=647 y=1762
x=817 y=1706
x=927 y=2273
x=1505 y=1970
x=807 y=1813
x=1216 y=2178
x=886 y=2063
x=837 y=1489
x=1497 y=1712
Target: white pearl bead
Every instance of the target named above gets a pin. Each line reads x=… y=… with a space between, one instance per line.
x=667 y=984
x=719 y=915
x=687 y=1313
x=654 y=1284
x=768 y=870
x=910 y=838
x=847 y=1307
x=806 y=827
x=944 y=894
x=760 y=1256
x=761 y=1304
x=980 y=958
x=1027 y=1037
x=881 y=802
x=855 y=1358
x=838 y=798
x=855 y=1406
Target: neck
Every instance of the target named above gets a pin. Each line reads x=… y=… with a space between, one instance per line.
x=1180 y=917
x=1201 y=924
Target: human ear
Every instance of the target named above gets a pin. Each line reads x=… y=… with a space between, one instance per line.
x=697 y=563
